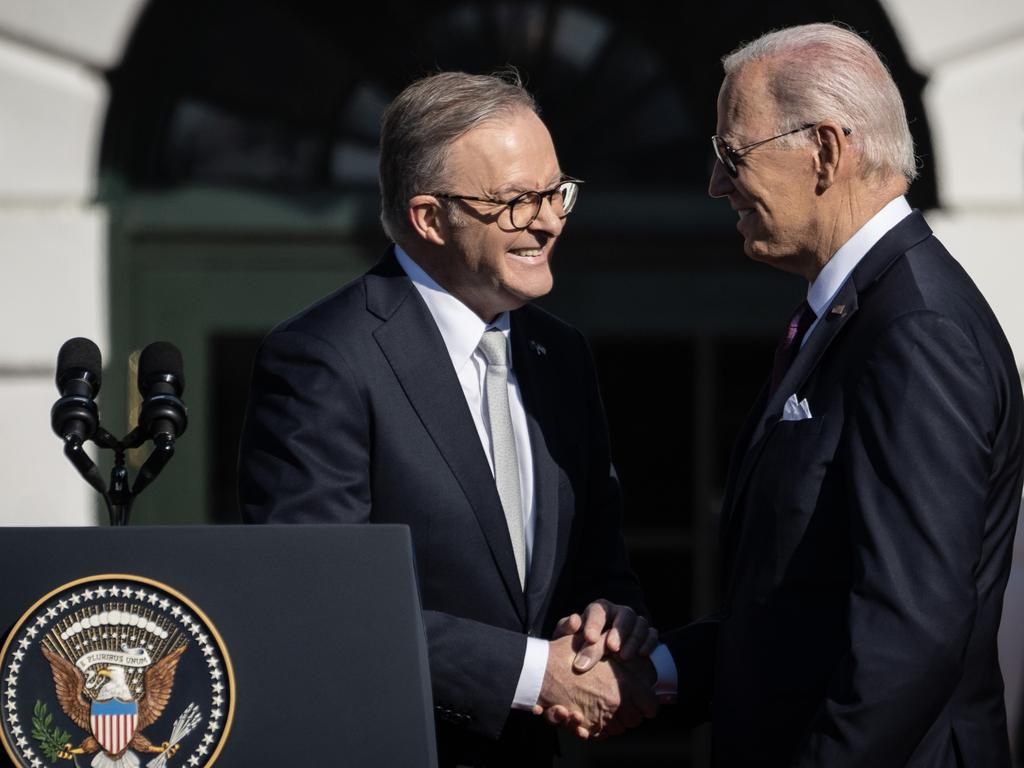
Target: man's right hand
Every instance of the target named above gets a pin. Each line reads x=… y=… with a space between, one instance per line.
x=605 y=700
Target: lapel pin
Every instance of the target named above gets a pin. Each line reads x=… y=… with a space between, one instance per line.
x=837 y=310
x=538 y=348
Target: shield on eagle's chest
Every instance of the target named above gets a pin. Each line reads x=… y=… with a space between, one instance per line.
x=113 y=723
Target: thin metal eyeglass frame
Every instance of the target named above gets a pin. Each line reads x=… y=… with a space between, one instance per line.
x=729 y=157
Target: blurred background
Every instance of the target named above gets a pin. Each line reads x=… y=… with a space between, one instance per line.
x=199 y=171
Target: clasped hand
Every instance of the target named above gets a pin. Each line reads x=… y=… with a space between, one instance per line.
x=599 y=680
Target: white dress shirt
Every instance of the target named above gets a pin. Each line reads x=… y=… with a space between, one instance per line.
x=837 y=271
x=461 y=329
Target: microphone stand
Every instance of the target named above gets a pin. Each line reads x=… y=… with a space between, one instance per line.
x=119 y=496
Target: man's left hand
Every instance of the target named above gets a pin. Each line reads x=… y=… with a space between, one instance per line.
x=607 y=628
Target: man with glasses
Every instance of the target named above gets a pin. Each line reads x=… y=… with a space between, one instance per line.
x=430 y=392
x=869 y=512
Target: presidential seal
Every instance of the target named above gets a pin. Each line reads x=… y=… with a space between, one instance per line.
x=112 y=672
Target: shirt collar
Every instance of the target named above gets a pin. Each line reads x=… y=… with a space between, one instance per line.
x=832 y=276
x=460 y=327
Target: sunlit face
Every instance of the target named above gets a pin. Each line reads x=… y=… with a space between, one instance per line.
x=774 y=193
x=489 y=266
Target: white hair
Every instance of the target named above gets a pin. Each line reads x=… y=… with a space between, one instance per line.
x=822 y=71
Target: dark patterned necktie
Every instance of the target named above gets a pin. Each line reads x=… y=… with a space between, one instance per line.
x=789 y=344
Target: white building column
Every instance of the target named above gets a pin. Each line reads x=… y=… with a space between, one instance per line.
x=53 y=236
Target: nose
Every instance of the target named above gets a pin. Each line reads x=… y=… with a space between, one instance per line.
x=547 y=220
x=720 y=184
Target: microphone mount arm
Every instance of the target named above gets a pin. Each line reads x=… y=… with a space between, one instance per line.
x=119 y=495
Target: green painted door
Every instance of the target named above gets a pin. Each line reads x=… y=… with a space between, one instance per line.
x=212 y=272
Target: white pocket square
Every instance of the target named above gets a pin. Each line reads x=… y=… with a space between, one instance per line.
x=796 y=411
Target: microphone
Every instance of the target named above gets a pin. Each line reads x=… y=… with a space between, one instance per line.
x=161 y=380
x=74 y=417
x=162 y=418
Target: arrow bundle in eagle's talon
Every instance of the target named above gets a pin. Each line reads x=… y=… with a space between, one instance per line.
x=183 y=726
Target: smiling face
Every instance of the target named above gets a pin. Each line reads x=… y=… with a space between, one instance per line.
x=485 y=263
x=774 y=193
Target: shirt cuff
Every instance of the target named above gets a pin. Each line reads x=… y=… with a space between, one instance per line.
x=667 y=686
x=535 y=664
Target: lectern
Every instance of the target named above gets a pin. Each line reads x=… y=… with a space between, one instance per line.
x=248 y=646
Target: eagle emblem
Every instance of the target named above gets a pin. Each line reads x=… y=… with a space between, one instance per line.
x=101 y=656
x=114 y=718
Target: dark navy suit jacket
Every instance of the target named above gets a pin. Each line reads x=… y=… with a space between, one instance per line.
x=356 y=416
x=866 y=549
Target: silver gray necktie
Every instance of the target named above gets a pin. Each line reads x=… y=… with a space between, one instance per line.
x=503 y=441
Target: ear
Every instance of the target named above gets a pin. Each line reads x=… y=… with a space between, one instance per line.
x=428 y=219
x=830 y=157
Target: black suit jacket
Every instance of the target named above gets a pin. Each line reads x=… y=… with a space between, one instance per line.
x=356 y=416
x=867 y=549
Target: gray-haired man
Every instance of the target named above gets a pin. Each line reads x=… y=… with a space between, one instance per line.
x=869 y=513
x=430 y=392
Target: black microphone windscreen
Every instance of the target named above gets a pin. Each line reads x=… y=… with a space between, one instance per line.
x=77 y=355
x=156 y=361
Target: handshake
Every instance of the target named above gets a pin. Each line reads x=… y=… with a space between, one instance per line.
x=599 y=679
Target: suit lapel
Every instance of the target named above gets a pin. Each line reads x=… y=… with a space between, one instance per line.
x=415 y=350
x=837 y=315
x=806 y=361
x=909 y=232
x=532 y=373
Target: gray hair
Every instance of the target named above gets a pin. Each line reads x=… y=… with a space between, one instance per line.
x=821 y=71
x=420 y=125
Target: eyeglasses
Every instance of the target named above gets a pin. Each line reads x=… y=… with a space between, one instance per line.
x=525 y=207
x=730 y=158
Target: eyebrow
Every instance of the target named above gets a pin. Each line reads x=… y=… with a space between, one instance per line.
x=518 y=189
